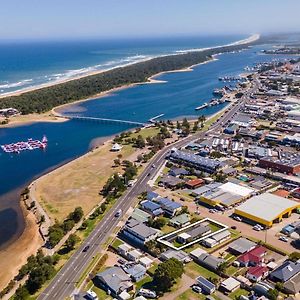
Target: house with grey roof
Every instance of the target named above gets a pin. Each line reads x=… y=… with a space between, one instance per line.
x=178 y=254
x=241 y=246
x=137 y=272
x=114 y=280
x=140 y=215
x=180 y=220
x=209 y=261
x=139 y=232
x=286 y=271
x=216 y=239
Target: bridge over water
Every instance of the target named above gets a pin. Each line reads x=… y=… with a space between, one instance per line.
x=104 y=120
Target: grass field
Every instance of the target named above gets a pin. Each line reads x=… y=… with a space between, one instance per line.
x=193 y=270
x=78 y=183
x=147 y=132
x=239 y=292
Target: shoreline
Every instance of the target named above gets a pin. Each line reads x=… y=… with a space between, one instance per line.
x=26 y=214
x=252 y=38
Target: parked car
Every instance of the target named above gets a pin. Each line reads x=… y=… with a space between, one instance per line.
x=196 y=288
x=147 y=293
x=257 y=228
x=237 y=218
x=283 y=238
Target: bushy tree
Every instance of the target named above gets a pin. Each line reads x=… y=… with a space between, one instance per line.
x=166 y=274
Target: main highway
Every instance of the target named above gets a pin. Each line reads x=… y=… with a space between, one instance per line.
x=64 y=283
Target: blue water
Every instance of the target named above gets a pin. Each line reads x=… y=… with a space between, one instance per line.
x=23 y=65
x=178 y=97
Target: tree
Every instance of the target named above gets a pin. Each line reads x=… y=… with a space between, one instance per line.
x=159 y=223
x=223 y=266
x=140 y=142
x=67 y=225
x=77 y=214
x=21 y=293
x=42 y=220
x=55 y=234
x=71 y=241
x=166 y=274
x=196 y=126
x=294 y=256
x=117 y=162
x=273 y=294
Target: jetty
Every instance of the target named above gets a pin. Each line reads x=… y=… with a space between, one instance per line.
x=152 y=120
x=201 y=106
x=104 y=120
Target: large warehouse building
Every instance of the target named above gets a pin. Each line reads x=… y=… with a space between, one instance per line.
x=267 y=209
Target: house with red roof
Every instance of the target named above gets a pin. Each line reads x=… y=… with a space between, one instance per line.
x=257 y=273
x=253 y=257
x=194 y=183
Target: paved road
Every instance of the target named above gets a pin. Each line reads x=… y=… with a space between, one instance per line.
x=63 y=285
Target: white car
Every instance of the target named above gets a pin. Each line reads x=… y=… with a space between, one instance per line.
x=284 y=239
x=256 y=228
x=237 y=218
x=147 y=293
x=118 y=213
x=91 y=295
x=197 y=289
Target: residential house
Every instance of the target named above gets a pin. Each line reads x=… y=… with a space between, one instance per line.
x=229 y=285
x=134 y=255
x=146 y=262
x=286 y=271
x=257 y=273
x=140 y=215
x=152 y=196
x=139 y=232
x=216 y=239
x=171 y=182
x=194 y=183
x=180 y=255
x=115 y=280
x=241 y=246
x=253 y=257
x=209 y=261
x=206 y=286
x=136 y=272
x=178 y=172
x=193 y=233
x=123 y=249
x=152 y=208
x=180 y=220
x=171 y=208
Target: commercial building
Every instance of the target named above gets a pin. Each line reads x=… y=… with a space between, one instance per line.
x=266 y=209
x=226 y=194
x=288 y=163
x=195 y=161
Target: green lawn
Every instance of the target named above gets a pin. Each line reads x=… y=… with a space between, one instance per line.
x=141 y=283
x=101 y=294
x=239 y=292
x=191 y=295
x=214 y=227
x=167 y=229
x=231 y=270
x=116 y=243
x=193 y=270
x=152 y=269
x=147 y=132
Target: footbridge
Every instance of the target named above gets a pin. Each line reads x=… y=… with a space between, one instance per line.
x=104 y=120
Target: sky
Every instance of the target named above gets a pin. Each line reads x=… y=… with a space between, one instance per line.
x=43 y=19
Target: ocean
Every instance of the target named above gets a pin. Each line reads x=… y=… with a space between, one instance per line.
x=177 y=97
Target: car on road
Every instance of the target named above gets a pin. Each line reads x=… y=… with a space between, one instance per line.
x=86 y=248
x=148 y=174
x=196 y=288
x=283 y=239
x=233 y=227
x=118 y=213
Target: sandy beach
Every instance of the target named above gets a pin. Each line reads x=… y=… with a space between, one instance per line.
x=15 y=255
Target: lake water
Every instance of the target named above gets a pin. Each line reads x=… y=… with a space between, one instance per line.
x=176 y=98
